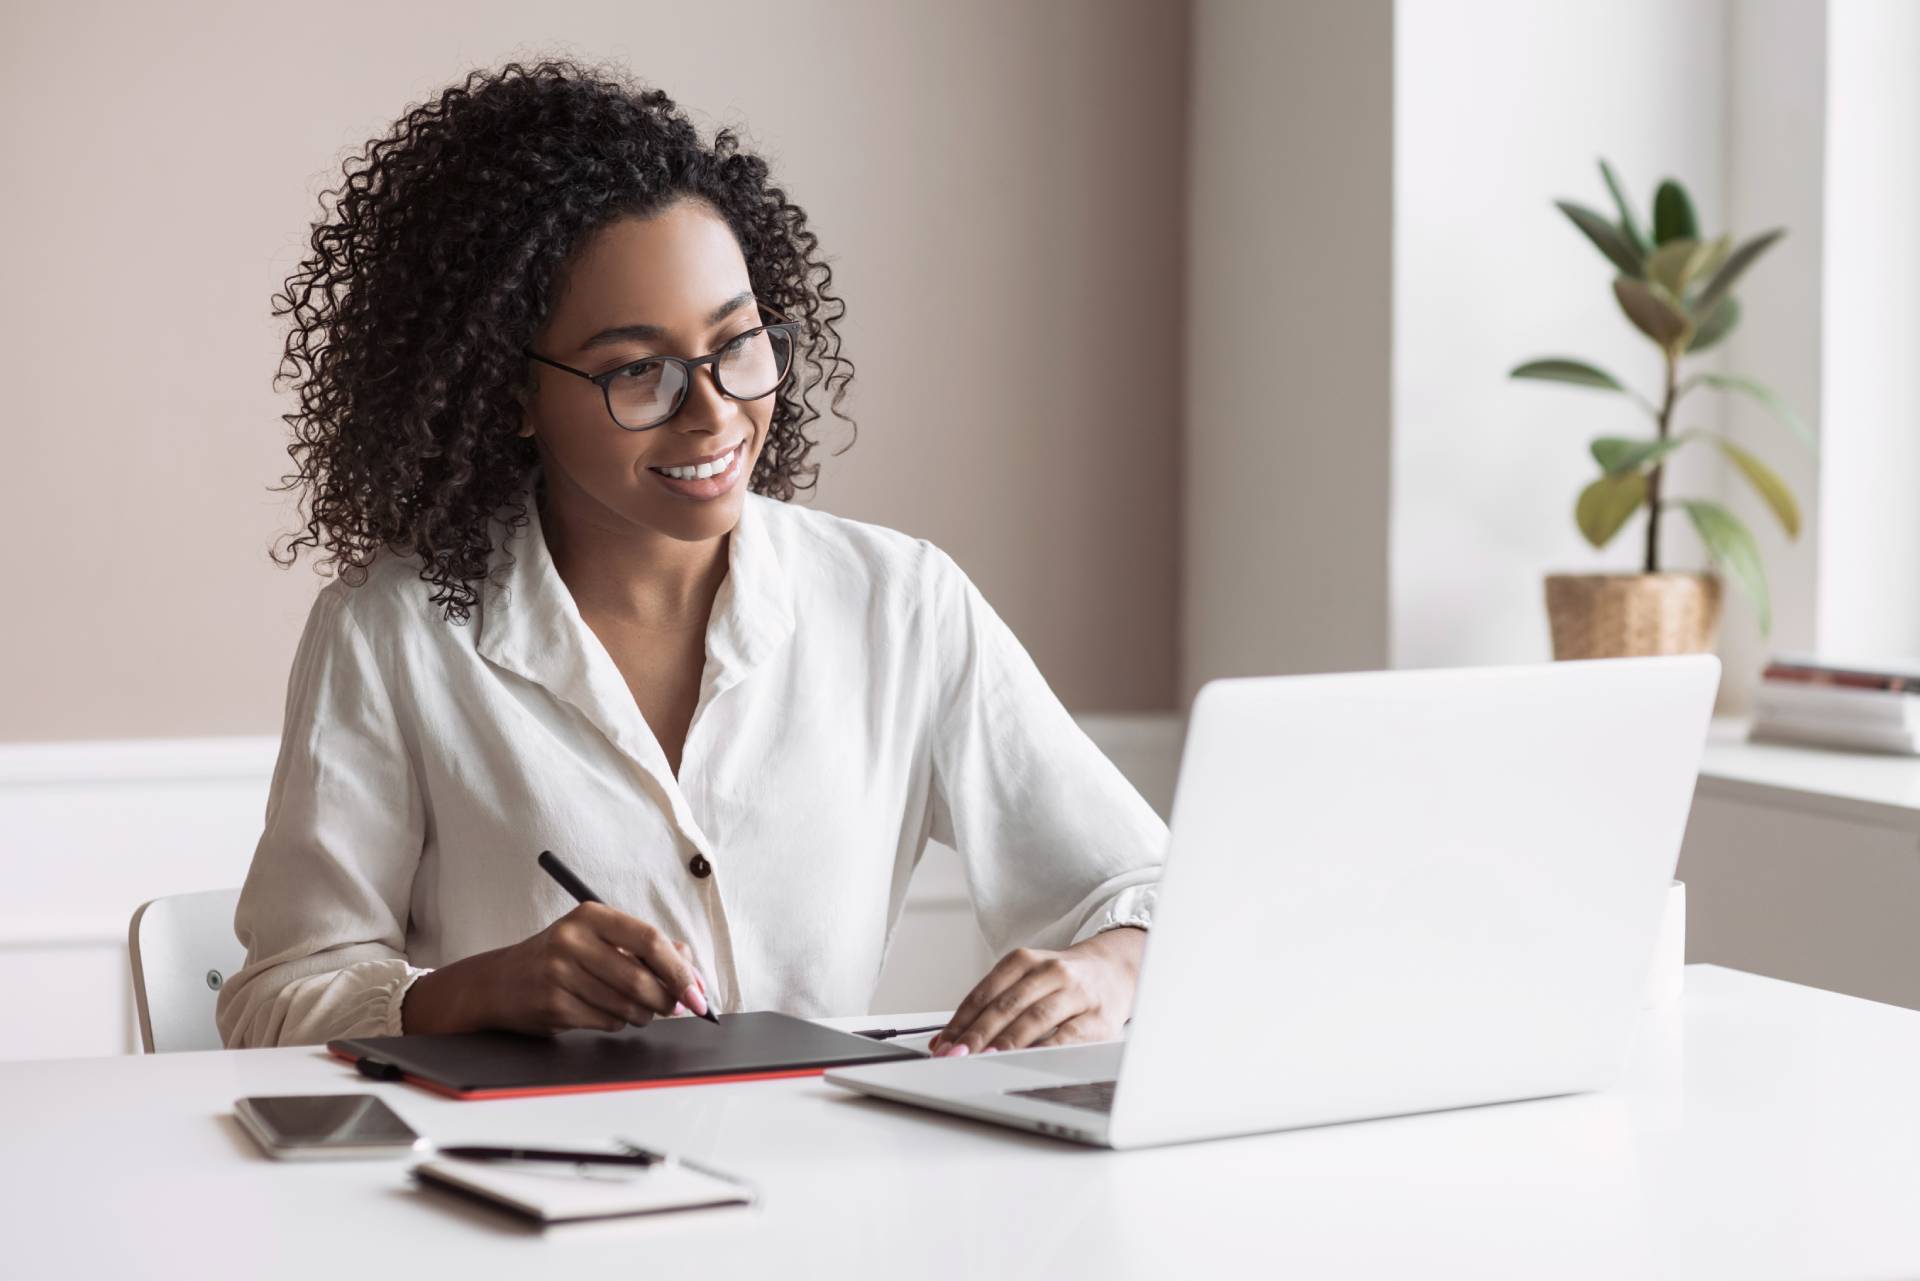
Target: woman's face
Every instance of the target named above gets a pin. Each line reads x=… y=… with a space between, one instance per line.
x=674 y=285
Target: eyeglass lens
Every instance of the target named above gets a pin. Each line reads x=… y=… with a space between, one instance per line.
x=749 y=367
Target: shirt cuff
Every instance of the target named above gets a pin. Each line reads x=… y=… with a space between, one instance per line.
x=1131 y=906
x=396 y=999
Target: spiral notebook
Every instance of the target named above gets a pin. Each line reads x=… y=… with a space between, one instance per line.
x=552 y=1192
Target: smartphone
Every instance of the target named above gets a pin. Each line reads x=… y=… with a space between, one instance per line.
x=326 y=1125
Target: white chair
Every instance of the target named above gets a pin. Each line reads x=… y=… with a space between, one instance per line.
x=183 y=948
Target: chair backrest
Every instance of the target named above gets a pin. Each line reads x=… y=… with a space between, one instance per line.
x=183 y=948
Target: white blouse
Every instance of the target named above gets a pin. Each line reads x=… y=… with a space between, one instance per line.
x=859 y=697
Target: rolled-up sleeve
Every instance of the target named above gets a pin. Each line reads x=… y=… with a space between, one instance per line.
x=1056 y=844
x=323 y=913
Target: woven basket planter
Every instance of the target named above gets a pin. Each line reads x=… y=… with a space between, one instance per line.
x=1626 y=615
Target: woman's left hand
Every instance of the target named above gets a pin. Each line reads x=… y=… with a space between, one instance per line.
x=1035 y=997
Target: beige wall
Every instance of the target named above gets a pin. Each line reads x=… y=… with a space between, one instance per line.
x=1290 y=317
x=1012 y=170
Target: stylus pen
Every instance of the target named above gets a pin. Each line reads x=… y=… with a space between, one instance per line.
x=478 y=1153
x=578 y=888
x=882 y=1033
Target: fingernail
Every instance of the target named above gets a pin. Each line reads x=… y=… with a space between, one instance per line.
x=693 y=1000
x=959 y=1051
x=678 y=1008
x=991 y=1049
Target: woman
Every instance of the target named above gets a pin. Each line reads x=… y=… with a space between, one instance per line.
x=576 y=611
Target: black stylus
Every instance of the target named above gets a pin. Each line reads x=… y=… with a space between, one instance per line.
x=578 y=888
x=477 y=1153
x=882 y=1033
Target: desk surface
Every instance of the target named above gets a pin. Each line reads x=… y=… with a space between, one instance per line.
x=1765 y=1130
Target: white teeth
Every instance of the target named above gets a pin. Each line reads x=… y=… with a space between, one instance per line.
x=704 y=470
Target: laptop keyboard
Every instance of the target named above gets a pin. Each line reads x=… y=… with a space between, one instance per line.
x=1095 y=1096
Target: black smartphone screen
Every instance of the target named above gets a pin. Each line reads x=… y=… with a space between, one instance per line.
x=329 y=1120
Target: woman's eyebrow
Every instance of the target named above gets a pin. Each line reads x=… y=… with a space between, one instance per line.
x=651 y=333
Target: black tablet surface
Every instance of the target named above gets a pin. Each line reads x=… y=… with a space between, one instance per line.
x=674 y=1051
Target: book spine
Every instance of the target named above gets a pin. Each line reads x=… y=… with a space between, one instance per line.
x=1840 y=676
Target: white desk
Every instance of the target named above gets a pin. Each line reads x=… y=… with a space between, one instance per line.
x=1767 y=1130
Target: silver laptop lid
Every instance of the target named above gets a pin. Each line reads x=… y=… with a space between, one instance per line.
x=1390 y=892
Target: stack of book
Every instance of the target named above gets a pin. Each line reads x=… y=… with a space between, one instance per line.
x=1864 y=706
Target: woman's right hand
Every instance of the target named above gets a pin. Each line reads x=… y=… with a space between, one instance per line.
x=595 y=967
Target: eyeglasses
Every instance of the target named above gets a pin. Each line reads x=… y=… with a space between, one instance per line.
x=647 y=392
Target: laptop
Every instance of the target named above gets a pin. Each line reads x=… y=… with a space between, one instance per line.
x=1384 y=893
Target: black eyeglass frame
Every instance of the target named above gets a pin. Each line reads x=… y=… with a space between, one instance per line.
x=791 y=328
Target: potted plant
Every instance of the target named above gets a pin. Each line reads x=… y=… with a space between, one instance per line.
x=1676 y=288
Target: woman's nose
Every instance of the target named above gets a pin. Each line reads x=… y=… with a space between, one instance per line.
x=705 y=401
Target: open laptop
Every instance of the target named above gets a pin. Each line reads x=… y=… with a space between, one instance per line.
x=1384 y=893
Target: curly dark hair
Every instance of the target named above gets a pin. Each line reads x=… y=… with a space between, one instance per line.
x=432 y=270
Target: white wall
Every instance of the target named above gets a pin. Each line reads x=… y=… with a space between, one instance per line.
x=1288 y=316
x=90 y=831
x=1502 y=106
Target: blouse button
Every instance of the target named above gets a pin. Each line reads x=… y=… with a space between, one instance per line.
x=699 y=866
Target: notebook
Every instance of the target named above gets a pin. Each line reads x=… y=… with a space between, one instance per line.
x=550 y=1192
x=754 y=1046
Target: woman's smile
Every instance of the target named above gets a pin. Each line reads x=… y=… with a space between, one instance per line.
x=707 y=477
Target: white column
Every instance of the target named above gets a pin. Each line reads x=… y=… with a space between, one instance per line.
x=1869 y=552
x=1776 y=129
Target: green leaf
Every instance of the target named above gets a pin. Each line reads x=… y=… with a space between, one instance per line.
x=1603 y=506
x=1617 y=454
x=1768 y=482
x=1665 y=263
x=1733 y=547
x=1774 y=405
x=1605 y=237
x=1735 y=265
x=1654 y=312
x=1715 y=325
x=1562 y=370
x=1673 y=214
x=1717 y=251
x=1629 y=226
x=1676 y=263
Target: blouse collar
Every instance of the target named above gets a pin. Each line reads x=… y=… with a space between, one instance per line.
x=529 y=624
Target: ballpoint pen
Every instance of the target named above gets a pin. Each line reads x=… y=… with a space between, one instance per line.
x=478 y=1152
x=572 y=884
